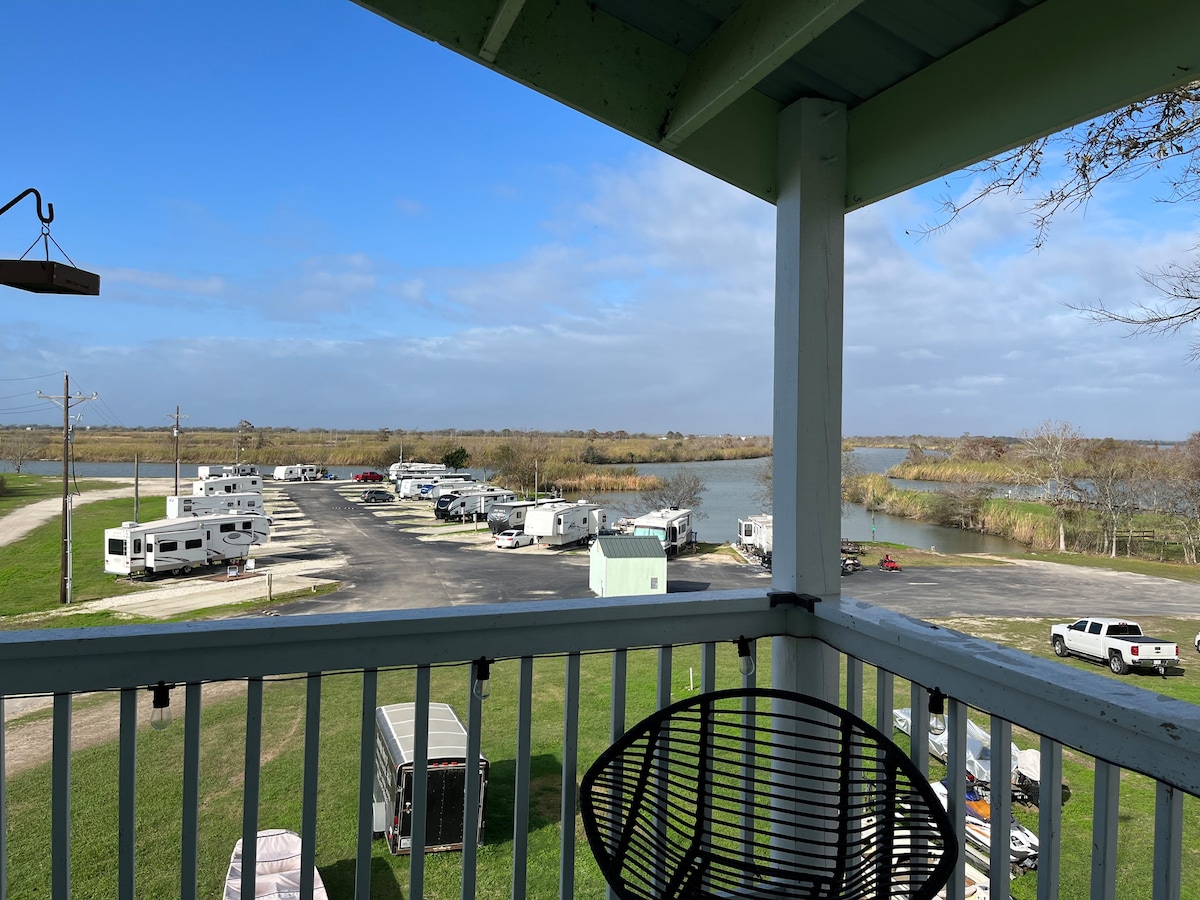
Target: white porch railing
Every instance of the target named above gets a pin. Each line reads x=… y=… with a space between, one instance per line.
x=1117 y=724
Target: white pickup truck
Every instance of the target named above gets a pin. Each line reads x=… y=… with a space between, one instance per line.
x=1119 y=643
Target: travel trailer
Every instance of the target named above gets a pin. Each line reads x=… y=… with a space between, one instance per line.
x=509 y=516
x=295 y=473
x=231 y=484
x=414 y=487
x=451 y=484
x=179 y=545
x=182 y=507
x=469 y=502
x=399 y=470
x=203 y=472
x=672 y=526
x=754 y=534
x=562 y=524
x=446 y=774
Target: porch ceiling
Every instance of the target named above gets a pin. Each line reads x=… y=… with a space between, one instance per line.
x=931 y=85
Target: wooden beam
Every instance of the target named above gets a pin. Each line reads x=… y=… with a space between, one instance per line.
x=502 y=22
x=761 y=36
x=1062 y=63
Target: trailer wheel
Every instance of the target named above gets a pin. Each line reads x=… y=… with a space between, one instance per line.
x=176 y=571
x=187 y=570
x=1117 y=663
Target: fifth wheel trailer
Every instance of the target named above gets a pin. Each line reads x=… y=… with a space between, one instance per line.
x=446 y=773
x=563 y=524
x=179 y=545
x=180 y=507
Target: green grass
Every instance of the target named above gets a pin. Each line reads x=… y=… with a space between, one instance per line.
x=21 y=490
x=29 y=568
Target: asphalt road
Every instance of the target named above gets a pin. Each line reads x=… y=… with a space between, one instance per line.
x=394 y=567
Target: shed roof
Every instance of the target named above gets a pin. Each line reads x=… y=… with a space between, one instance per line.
x=930 y=86
x=630 y=547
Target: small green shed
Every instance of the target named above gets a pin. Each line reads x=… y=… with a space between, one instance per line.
x=628 y=566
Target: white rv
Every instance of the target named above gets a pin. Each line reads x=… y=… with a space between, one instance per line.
x=509 y=516
x=295 y=473
x=672 y=526
x=231 y=484
x=399 y=470
x=179 y=545
x=468 y=503
x=451 y=484
x=755 y=534
x=203 y=472
x=182 y=507
x=413 y=487
x=562 y=524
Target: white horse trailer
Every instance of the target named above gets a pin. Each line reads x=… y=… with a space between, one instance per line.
x=179 y=545
x=446 y=778
x=672 y=526
x=562 y=524
x=227 y=484
x=182 y=507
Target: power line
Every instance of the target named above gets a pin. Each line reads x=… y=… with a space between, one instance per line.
x=31 y=377
x=175 y=433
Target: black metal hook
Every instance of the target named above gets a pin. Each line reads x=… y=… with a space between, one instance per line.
x=46 y=220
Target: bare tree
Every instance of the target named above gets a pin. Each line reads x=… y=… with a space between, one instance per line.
x=1159 y=135
x=681 y=490
x=1046 y=457
x=19 y=446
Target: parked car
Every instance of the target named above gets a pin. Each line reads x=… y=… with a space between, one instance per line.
x=512 y=539
x=369 y=476
x=377 y=496
x=1118 y=642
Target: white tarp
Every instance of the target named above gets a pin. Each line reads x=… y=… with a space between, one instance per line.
x=979 y=746
x=276 y=869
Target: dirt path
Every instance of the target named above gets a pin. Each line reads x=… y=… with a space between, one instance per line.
x=18 y=523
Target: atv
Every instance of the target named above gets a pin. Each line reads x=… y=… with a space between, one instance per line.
x=887 y=564
x=850 y=565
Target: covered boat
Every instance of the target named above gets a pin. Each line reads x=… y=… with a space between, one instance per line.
x=276 y=869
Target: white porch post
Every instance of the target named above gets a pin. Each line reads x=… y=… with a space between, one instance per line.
x=810 y=236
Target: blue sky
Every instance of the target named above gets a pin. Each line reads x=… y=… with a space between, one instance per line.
x=305 y=216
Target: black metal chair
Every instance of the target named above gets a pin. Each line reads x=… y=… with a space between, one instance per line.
x=763 y=793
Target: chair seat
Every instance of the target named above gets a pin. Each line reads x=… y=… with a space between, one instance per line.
x=758 y=793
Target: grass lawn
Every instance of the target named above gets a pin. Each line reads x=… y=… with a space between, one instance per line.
x=21 y=490
x=160 y=782
x=29 y=568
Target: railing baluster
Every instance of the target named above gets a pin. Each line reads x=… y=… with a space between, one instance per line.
x=884 y=686
x=566 y=880
x=470 y=851
x=1001 y=804
x=366 y=785
x=854 y=685
x=664 y=676
x=521 y=778
x=956 y=790
x=312 y=765
x=616 y=722
x=127 y=795
x=918 y=727
x=60 y=823
x=420 y=786
x=708 y=667
x=190 y=821
x=1168 y=842
x=1049 y=818
x=253 y=768
x=1107 y=806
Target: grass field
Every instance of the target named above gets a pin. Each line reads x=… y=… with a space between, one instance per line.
x=160 y=782
x=21 y=490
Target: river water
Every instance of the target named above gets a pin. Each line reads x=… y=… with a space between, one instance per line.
x=730 y=496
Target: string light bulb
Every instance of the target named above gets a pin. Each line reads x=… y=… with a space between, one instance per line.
x=482 y=682
x=160 y=713
x=746 y=663
x=937 y=711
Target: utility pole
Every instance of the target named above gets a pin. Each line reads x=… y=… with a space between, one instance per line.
x=175 y=433
x=66 y=401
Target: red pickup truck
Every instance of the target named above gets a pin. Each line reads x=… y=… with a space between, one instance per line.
x=369 y=476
